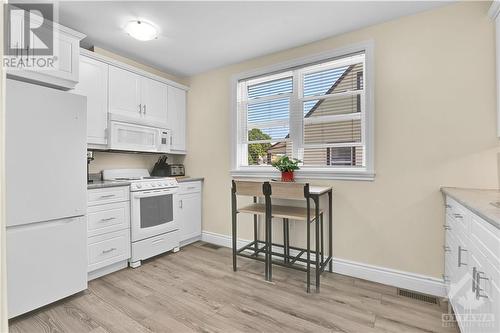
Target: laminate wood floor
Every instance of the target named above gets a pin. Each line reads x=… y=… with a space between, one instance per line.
x=195 y=290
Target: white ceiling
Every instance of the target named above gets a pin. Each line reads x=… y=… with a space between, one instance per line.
x=199 y=36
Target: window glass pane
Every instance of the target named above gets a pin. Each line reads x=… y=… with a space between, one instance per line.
x=270 y=88
x=332 y=106
x=332 y=132
x=277 y=109
x=334 y=80
x=266 y=153
x=268 y=133
x=334 y=157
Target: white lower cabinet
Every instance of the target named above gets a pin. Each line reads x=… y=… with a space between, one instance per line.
x=472 y=269
x=188 y=205
x=108 y=230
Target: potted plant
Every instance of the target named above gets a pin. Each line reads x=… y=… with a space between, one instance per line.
x=287 y=166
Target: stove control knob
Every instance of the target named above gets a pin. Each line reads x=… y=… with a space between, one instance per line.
x=153 y=184
x=138 y=186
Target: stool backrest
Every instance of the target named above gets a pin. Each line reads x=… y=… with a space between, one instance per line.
x=249 y=188
x=289 y=190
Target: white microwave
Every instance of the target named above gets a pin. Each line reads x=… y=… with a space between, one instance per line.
x=133 y=137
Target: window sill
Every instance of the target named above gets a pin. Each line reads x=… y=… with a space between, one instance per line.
x=306 y=173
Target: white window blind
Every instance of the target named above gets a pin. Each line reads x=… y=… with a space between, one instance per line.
x=315 y=113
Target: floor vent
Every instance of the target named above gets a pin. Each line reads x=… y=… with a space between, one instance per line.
x=418 y=296
x=212 y=246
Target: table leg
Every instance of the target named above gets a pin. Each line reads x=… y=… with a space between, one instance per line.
x=317 y=245
x=330 y=231
x=308 y=223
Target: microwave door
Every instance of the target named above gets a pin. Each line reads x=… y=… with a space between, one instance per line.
x=133 y=137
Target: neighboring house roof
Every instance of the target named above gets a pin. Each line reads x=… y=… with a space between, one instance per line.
x=280 y=146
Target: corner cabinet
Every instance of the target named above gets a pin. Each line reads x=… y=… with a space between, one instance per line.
x=93 y=83
x=177 y=119
x=472 y=269
x=188 y=206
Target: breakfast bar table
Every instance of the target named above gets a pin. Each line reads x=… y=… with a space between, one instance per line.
x=257 y=188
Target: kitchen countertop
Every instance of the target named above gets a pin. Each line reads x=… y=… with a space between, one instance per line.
x=185 y=179
x=478 y=201
x=110 y=183
x=106 y=183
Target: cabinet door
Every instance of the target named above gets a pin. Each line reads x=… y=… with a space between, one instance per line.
x=94 y=84
x=124 y=93
x=154 y=101
x=177 y=117
x=189 y=215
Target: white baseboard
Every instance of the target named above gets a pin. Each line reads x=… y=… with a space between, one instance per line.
x=406 y=280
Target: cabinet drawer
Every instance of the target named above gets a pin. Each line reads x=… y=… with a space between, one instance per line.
x=190 y=187
x=107 y=195
x=155 y=245
x=108 y=249
x=107 y=218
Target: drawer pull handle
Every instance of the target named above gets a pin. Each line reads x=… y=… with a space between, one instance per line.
x=446 y=248
x=180 y=203
x=460 y=263
x=108 y=219
x=474 y=282
x=109 y=250
x=447 y=206
x=446 y=227
x=158 y=241
x=191 y=187
x=478 y=288
x=107 y=196
x=445 y=278
x=458 y=216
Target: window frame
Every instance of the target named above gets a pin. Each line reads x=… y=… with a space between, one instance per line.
x=309 y=172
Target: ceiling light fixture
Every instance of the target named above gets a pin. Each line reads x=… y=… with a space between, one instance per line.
x=141 y=30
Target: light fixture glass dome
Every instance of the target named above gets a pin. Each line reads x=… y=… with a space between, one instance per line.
x=141 y=30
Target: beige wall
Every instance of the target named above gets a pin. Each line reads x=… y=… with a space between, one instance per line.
x=435 y=125
x=181 y=80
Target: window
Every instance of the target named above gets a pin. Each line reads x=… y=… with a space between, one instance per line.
x=315 y=111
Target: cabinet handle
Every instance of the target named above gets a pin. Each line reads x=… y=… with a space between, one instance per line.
x=474 y=282
x=460 y=263
x=108 y=219
x=446 y=227
x=447 y=206
x=458 y=216
x=180 y=203
x=144 y=107
x=445 y=278
x=446 y=248
x=107 y=196
x=108 y=250
x=171 y=139
x=140 y=108
x=478 y=284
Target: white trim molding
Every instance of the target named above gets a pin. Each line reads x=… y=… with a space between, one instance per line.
x=365 y=173
x=388 y=276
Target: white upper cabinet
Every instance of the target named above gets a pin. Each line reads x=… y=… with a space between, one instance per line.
x=65 y=59
x=154 y=101
x=177 y=118
x=124 y=93
x=94 y=84
x=137 y=97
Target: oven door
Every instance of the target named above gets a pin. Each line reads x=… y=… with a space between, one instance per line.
x=152 y=213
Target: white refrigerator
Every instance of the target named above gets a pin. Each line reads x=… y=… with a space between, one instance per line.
x=46 y=190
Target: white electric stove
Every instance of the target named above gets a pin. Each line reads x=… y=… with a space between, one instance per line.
x=154 y=229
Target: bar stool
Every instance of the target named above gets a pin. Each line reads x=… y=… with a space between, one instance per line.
x=253 y=189
x=293 y=191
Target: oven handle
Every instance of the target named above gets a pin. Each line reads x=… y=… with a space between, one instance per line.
x=149 y=194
